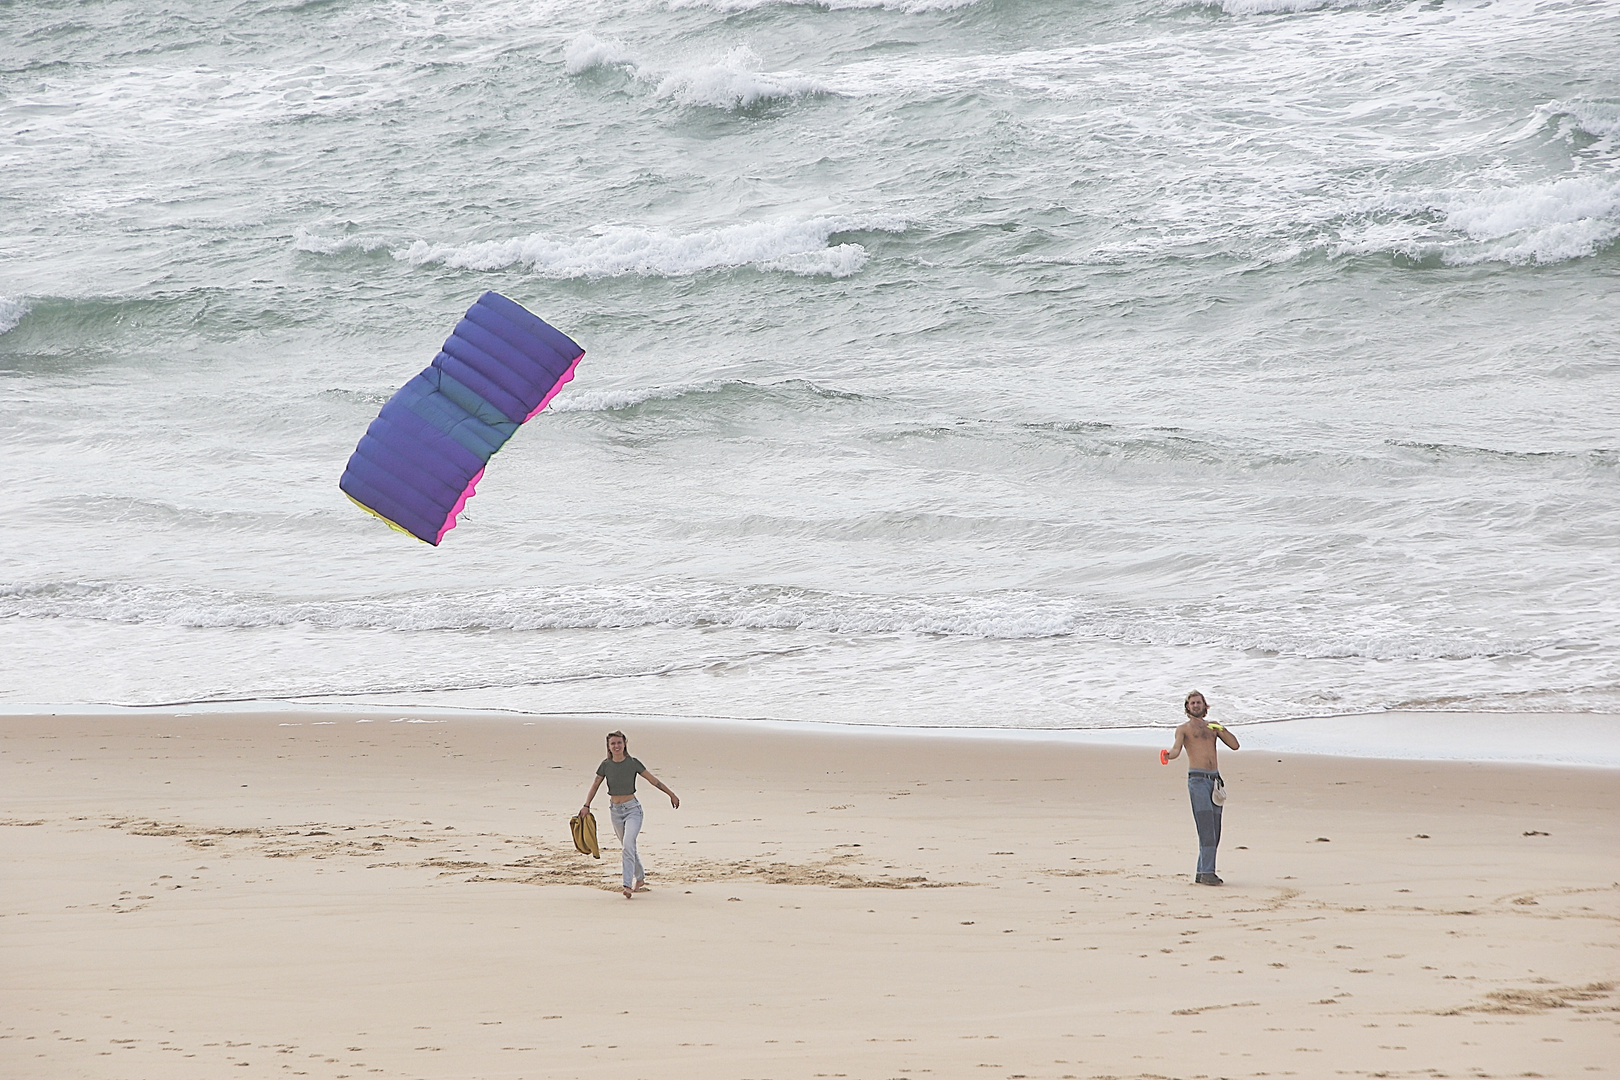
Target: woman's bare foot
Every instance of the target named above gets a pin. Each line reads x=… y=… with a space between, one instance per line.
x=641 y=886
x=627 y=893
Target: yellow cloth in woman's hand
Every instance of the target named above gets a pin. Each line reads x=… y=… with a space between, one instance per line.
x=584 y=830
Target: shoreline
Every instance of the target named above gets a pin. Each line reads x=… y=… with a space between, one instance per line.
x=1580 y=740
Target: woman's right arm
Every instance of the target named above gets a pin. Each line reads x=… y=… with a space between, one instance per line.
x=596 y=783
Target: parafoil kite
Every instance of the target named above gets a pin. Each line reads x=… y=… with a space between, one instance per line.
x=419 y=461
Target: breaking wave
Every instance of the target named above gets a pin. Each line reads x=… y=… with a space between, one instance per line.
x=11 y=313
x=586 y=52
x=732 y=82
x=1553 y=222
x=1598 y=119
x=793 y=245
x=304 y=240
x=615 y=400
x=904 y=7
x=1005 y=615
x=1276 y=7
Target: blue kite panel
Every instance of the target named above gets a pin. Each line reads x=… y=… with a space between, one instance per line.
x=422 y=457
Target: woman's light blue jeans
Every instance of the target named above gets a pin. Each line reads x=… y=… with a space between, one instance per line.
x=1206 y=815
x=627 y=826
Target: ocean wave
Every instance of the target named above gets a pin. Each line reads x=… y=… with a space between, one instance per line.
x=1493 y=215
x=304 y=240
x=1267 y=7
x=114 y=325
x=1002 y=616
x=617 y=400
x=904 y=7
x=153 y=104
x=893 y=421
x=1552 y=222
x=796 y=391
x=1597 y=119
x=1543 y=223
x=1598 y=458
x=793 y=245
x=1589 y=697
x=1273 y=7
x=12 y=311
x=466 y=31
x=587 y=51
x=732 y=82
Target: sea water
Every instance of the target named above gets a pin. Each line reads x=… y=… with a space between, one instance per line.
x=973 y=363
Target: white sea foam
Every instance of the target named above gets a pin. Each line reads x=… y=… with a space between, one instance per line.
x=1285 y=7
x=156 y=103
x=1492 y=215
x=586 y=52
x=304 y=240
x=575 y=400
x=840 y=261
x=1268 y=7
x=905 y=7
x=462 y=22
x=11 y=313
x=794 y=245
x=1001 y=616
x=733 y=81
x=1599 y=119
x=611 y=400
x=1541 y=223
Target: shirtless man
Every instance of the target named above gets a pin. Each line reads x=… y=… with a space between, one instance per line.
x=1203 y=777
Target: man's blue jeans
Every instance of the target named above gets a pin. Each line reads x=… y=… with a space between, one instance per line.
x=1206 y=815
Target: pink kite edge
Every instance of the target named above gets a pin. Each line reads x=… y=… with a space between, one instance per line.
x=562 y=380
x=450 y=518
x=455 y=511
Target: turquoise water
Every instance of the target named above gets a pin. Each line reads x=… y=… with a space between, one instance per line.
x=967 y=363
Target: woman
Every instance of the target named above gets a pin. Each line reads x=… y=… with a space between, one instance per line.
x=620 y=770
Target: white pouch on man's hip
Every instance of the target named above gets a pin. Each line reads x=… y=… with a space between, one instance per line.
x=1218 y=796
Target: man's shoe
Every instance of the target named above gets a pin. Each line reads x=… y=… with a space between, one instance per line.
x=1208 y=879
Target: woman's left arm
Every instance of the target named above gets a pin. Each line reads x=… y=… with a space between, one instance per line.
x=674 y=799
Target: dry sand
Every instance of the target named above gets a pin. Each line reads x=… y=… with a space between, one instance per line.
x=308 y=895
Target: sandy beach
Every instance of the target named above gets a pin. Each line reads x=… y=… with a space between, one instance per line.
x=349 y=895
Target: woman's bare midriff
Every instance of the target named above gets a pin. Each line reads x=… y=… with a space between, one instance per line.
x=620 y=798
